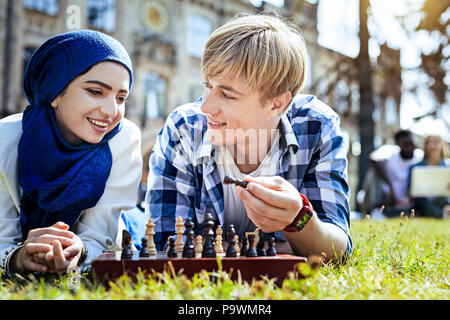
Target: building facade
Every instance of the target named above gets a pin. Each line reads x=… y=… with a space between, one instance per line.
x=165 y=40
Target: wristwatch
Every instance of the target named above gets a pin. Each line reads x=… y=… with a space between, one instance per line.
x=302 y=218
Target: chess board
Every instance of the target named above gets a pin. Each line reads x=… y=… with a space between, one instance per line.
x=110 y=266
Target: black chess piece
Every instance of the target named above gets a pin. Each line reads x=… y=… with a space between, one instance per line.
x=231 y=251
x=251 y=252
x=260 y=245
x=189 y=249
x=208 y=247
x=271 y=251
x=171 y=253
x=127 y=253
x=244 y=247
x=144 y=252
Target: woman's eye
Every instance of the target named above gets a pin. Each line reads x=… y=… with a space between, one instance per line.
x=122 y=99
x=94 y=92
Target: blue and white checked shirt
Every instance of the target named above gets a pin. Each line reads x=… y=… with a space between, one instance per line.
x=184 y=179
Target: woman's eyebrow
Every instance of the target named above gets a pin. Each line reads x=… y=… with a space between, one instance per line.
x=104 y=85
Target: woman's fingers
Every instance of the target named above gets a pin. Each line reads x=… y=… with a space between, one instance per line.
x=50 y=238
x=35 y=233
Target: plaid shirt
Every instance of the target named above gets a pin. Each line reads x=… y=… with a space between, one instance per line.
x=184 y=179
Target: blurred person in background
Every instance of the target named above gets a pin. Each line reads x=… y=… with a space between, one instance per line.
x=435 y=154
x=387 y=181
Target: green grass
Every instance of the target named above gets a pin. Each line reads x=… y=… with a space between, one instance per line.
x=392 y=259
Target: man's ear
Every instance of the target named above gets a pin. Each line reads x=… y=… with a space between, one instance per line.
x=279 y=103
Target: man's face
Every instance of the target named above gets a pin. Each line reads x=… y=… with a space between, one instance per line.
x=234 y=111
x=407 y=146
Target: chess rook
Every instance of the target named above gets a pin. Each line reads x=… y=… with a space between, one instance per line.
x=251 y=252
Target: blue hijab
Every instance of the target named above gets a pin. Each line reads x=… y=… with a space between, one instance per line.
x=59 y=180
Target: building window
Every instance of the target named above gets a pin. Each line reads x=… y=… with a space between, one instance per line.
x=198 y=31
x=47 y=6
x=155 y=95
x=102 y=14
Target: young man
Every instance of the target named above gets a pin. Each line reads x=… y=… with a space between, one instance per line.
x=248 y=125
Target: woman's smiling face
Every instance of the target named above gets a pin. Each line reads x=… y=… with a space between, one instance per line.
x=93 y=103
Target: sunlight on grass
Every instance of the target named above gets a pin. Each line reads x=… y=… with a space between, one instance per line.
x=404 y=258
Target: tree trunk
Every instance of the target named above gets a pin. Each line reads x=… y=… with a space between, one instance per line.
x=366 y=124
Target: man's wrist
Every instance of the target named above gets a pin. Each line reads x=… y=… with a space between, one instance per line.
x=304 y=215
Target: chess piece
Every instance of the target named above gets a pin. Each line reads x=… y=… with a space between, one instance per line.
x=188 y=250
x=218 y=246
x=236 y=245
x=260 y=246
x=179 y=244
x=251 y=252
x=198 y=246
x=144 y=252
x=208 y=248
x=271 y=251
x=127 y=253
x=244 y=247
x=231 y=180
x=171 y=253
x=150 y=232
x=231 y=251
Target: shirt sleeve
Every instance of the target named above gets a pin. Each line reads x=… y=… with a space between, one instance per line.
x=170 y=183
x=98 y=227
x=325 y=182
x=10 y=233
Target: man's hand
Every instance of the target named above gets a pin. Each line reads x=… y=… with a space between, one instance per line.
x=272 y=203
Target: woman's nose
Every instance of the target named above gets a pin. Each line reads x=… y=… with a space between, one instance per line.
x=109 y=108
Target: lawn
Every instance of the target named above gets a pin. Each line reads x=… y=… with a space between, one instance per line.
x=404 y=258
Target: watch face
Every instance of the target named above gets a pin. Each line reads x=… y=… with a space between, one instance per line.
x=303 y=220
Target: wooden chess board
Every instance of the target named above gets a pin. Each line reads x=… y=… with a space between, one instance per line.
x=110 y=266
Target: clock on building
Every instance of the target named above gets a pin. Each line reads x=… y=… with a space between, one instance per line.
x=154 y=16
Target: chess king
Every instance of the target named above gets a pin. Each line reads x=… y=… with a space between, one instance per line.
x=252 y=124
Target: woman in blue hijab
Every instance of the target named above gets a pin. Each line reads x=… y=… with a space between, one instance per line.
x=71 y=163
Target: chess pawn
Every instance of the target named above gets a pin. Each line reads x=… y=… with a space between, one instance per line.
x=218 y=246
x=231 y=251
x=179 y=244
x=144 y=252
x=188 y=250
x=208 y=248
x=171 y=253
x=260 y=246
x=244 y=248
x=150 y=232
x=271 y=251
x=127 y=253
x=236 y=245
x=198 y=246
x=251 y=252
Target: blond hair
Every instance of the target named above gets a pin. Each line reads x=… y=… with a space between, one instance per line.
x=266 y=50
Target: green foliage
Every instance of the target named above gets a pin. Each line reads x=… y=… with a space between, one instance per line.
x=392 y=259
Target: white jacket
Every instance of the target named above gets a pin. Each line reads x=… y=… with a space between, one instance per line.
x=98 y=227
